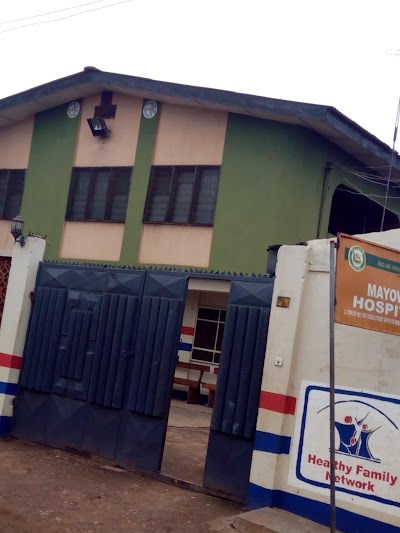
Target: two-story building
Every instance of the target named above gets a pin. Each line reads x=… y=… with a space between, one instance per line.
x=183 y=176
x=120 y=170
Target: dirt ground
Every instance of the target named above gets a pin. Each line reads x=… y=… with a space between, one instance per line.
x=43 y=490
x=186 y=441
x=190 y=464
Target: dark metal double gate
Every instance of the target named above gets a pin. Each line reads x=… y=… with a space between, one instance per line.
x=100 y=358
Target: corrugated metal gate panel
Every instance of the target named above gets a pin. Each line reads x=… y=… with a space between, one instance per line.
x=234 y=417
x=89 y=379
x=99 y=363
x=145 y=423
x=117 y=333
x=43 y=340
x=161 y=317
x=239 y=377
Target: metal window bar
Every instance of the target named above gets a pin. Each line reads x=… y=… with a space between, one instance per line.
x=219 y=321
x=195 y=195
x=96 y=198
x=4 y=175
x=147 y=214
x=109 y=195
x=172 y=191
x=11 y=192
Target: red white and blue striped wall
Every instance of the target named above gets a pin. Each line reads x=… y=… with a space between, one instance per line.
x=10 y=366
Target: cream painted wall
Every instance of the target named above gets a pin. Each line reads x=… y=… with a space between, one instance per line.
x=119 y=148
x=214 y=299
x=366 y=360
x=209 y=285
x=92 y=240
x=175 y=245
x=15 y=144
x=189 y=136
x=6 y=239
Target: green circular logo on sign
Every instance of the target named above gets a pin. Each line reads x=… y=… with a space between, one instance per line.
x=357 y=258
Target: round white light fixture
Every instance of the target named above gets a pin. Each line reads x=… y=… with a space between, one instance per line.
x=73 y=109
x=150 y=109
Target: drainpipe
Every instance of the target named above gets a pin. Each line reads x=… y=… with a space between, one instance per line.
x=272 y=259
x=327 y=171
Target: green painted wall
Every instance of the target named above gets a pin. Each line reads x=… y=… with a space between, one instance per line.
x=138 y=191
x=48 y=175
x=270 y=191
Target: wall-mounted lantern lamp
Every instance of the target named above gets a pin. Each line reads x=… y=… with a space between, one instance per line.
x=17 y=229
x=98 y=127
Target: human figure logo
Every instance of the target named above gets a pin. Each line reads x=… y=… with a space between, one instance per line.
x=366 y=444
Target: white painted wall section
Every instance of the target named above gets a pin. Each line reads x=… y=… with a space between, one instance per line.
x=17 y=308
x=367 y=369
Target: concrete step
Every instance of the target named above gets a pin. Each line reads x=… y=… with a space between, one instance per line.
x=270 y=520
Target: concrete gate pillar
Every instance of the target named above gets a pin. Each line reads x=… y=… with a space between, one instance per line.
x=275 y=402
x=24 y=266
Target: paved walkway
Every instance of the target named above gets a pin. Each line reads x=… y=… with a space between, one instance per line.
x=182 y=414
x=186 y=442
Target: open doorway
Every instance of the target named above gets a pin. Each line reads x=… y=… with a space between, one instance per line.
x=355 y=213
x=195 y=380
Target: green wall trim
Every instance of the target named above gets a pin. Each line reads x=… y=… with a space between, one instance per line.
x=138 y=191
x=48 y=175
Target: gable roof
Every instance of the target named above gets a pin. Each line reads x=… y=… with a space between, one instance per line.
x=325 y=120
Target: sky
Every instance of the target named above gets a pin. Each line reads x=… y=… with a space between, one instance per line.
x=317 y=51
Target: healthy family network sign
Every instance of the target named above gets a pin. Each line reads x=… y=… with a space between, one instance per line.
x=367 y=445
x=367 y=285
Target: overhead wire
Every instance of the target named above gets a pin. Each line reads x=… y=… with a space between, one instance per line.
x=359 y=192
x=373 y=178
x=370 y=180
x=67 y=17
x=50 y=12
x=368 y=195
x=396 y=125
x=355 y=170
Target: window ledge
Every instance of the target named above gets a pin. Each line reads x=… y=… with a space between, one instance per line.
x=100 y=221
x=178 y=224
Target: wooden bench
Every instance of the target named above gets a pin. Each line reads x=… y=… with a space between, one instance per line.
x=193 y=383
x=211 y=387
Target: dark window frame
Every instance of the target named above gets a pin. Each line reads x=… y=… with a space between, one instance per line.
x=3 y=200
x=355 y=213
x=90 y=196
x=173 y=193
x=220 y=322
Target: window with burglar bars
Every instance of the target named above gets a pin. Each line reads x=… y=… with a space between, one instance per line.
x=182 y=195
x=99 y=194
x=209 y=334
x=11 y=191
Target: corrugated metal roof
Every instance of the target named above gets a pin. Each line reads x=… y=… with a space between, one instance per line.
x=325 y=120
